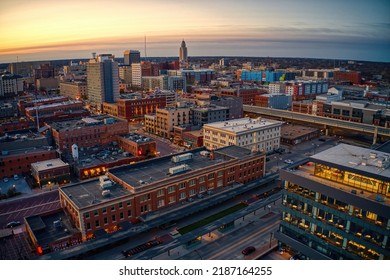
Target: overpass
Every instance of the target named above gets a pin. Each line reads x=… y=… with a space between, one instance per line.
x=326 y=122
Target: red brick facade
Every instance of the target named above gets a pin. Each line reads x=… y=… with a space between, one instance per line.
x=20 y=162
x=160 y=194
x=136 y=109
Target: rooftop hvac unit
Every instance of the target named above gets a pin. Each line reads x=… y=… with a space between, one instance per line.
x=204 y=153
x=178 y=169
x=106 y=193
x=183 y=157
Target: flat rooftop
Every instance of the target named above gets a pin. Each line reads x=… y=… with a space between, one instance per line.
x=54 y=105
x=210 y=108
x=88 y=193
x=358 y=159
x=98 y=156
x=296 y=131
x=84 y=122
x=26 y=151
x=45 y=231
x=149 y=172
x=243 y=124
x=48 y=164
x=138 y=138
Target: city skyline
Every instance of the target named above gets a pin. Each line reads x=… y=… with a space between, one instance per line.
x=44 y=30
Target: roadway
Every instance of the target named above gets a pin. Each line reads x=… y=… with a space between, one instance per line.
x=360 y=127
x=229 y=247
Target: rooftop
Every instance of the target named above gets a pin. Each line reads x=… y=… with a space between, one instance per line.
x=48 y=164
x=84 y=122
x=88 y=193
x=360 y=160
x=294 y=131
x=210 y=108
x=54 y=105
x=243 y=124
x=45 y=230
x=145 y=173
x=26 y=151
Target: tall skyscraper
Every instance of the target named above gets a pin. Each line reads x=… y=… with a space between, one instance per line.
x=183 y=56
x=102 y=80
x=131 y=56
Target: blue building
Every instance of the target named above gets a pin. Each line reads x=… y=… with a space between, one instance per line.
x=267 y=76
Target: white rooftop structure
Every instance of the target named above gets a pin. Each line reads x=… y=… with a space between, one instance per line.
x=243 y=124
x=371 y=162
x=48 y=164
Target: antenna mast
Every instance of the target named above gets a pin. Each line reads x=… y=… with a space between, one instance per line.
x=145 y=48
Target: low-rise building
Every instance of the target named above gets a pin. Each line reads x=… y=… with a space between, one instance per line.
x=74 y=90
x=18 y=161
x=87 y=132
x=50 y=172
x=295 y=134
x=51 y=232
x=209 y=114
x=275 y=101
x=255 y=134
x=129 y=193
x=167 y=118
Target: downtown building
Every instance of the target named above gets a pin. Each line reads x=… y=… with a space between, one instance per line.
x=88 y=132
x=10 y=85
x=254 y=134
x=74 y=90
x=128 y=194
x=131 y=56
x=336 y=205
x=102 y=81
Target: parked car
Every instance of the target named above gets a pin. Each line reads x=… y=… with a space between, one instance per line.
x=13 y=224
x=288 y=161
x=248 y=250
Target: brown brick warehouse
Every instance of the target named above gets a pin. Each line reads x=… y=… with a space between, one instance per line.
x=129 y=192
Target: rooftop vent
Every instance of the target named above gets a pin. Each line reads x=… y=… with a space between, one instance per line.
x=106 y=193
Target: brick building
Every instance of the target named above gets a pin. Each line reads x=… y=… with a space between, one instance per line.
x=50 y=172
x=129 y=192
x=136 y=109
x=19 y=161
x=87 y=132
x=23 y=104
x=354 y=77
x=247 y=94
x=138 y=145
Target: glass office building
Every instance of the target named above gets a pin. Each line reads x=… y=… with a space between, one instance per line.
x=336 y=205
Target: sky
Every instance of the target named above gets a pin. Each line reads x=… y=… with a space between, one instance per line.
x=334 y=29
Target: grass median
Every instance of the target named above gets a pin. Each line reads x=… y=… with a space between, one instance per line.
x=211 y=218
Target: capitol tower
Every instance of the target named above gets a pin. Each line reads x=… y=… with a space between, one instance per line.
x=183 y=56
